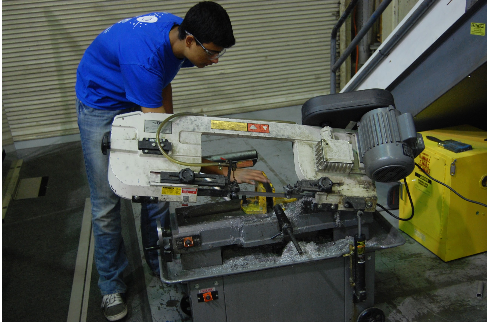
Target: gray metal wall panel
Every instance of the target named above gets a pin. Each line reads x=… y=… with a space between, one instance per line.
x=449 y=61
x=307 y=292
x=280 y=59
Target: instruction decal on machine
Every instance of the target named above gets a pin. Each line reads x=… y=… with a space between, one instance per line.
x=206 y=290
x=240 y=127
x=189 y=191
x=478 y=29
x=177 y=191
x=423 y=184
x=424 y=162
x=171 y=191
x=258 y=128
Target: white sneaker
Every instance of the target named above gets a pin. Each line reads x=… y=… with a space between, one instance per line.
x=114 y=307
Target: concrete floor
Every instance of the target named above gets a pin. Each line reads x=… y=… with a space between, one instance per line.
x=40 y=238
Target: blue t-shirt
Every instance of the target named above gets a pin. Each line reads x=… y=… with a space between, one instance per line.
x=129 y=64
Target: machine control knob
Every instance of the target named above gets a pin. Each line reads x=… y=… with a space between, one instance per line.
x=325 y=184
x=207 y=296
x=372 y=314
x=188 y=242
x=105 y=143
x=187 y=176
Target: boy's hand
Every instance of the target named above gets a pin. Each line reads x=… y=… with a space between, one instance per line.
x=248 y=176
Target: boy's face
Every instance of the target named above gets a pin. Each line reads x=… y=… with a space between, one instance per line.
x=204 y=54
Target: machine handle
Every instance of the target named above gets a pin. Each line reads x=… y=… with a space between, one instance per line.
x=285 y=226
x=434 y=139
x=105 y=146
x=281 y=216
x=251 y=155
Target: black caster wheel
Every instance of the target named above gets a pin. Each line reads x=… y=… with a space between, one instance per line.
x=372 y=314
x=186 y=305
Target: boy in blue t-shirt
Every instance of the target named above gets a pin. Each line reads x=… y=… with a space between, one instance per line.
x=129 y=67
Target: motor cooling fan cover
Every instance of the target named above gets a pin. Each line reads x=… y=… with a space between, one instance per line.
x=388 y=144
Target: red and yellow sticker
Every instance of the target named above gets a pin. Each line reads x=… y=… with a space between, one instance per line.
x=189 y=191
x=240 y=127
x=178 y=191
x=424 y=162
x=258 y=128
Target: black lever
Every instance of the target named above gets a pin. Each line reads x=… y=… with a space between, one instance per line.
x=285 y=226
x=105 y=143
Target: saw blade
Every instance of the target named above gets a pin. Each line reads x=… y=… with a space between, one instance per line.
x=271 y=194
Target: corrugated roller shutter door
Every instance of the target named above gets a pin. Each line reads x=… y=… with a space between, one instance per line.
x=6 y=134
x=281 y=58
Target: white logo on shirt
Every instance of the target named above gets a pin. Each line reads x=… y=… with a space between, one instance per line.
x=144 y=20
x=141 y=21
x=147 y=19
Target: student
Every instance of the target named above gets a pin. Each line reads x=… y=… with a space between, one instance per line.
x=129 y=67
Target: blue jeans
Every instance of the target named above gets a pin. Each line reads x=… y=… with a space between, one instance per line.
x=110 y=256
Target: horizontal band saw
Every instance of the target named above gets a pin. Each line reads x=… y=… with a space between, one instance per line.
x=309 y=247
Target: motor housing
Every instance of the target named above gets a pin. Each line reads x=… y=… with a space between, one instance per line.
x=388 y=144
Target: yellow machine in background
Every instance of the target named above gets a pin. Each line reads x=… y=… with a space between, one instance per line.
x=444 y=223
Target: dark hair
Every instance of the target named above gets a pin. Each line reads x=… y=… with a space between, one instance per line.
x=209 y=23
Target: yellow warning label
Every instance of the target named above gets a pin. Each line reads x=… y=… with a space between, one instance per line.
x=226 y=125
x=423 y=184
x=478 y=29
x=171 y=191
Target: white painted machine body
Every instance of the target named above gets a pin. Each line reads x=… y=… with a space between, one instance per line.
x=318 y=152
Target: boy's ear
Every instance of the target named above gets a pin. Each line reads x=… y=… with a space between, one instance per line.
x=188 y=40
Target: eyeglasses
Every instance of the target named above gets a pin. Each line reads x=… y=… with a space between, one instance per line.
x=211 y=54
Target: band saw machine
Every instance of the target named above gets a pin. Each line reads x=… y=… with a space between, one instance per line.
x=309 y=253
